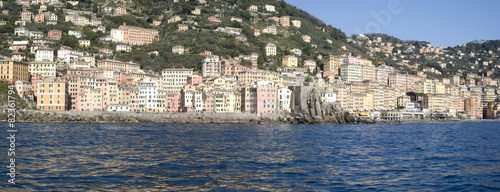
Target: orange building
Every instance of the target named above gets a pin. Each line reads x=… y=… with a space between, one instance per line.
x=13 y=71
x=51 y=95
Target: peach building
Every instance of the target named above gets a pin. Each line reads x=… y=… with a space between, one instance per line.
x=51 y=95
x=250 y=75
x=13 y=71
x=39 y=18
x=285 y=21
x=120 y=11
x=137 y=35
x=90 y=100
x=26 y=15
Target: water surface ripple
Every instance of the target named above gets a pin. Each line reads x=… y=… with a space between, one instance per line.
x=242 y=157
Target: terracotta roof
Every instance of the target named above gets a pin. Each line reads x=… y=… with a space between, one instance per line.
x=18 y=53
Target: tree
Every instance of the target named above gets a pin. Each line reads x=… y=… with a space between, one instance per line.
x=308 y=79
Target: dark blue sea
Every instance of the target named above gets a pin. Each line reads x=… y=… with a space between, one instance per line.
x=249 y=157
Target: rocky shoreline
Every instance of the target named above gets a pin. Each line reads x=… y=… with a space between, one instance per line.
x=133 y=117
x=335 y=117
x=23 y=115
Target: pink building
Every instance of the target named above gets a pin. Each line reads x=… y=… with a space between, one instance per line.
x=208 y=103
x=35 y=78
x=275 y=19
x=231 y=67
x=259 y=98
x=54 y=34
x=194 y=80
x=266 y=97
x=137 y=35
x=358 y=102
x=156 y=23
x=172 y=103
x=213 y=19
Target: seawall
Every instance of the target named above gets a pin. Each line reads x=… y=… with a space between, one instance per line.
x=144 y=117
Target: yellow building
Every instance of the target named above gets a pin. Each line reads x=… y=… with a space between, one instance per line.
x=368 y=101
x=273 y=76
x=332 y=63
x=368 y=73
x=43 y=68
x=13 y=71
x=51 y=95
x=290 y=61
x=84 y=43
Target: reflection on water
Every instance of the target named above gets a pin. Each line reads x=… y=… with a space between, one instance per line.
x=159 y=157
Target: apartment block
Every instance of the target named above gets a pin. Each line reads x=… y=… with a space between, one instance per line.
x=13 y=71
x=52 y=95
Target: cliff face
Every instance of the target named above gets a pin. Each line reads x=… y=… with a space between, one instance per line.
x=308 y=108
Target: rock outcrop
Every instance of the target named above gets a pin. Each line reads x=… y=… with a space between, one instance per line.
x=308 y=108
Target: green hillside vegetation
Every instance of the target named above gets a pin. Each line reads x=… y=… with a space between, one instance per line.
x=203 y=37
x=4 y=97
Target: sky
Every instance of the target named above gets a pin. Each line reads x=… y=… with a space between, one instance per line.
x=446 y=22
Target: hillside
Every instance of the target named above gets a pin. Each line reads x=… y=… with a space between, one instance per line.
x=413 y=56
x=200 y=34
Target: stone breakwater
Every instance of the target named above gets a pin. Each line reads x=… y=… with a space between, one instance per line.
x=131 y=117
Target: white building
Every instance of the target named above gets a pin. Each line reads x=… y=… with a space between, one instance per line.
x=118 y=107
x=36 y=35
x=351 y=72
x=77 y=34
x=22 y=32
x=117 y=35
x=70 y=58
x=296 y=52
x=328 y=96
x=270 y=8
x=44 y=54
x=126 y=48
x=284 y=99
x=296 y=23
x=148 y=90
x=270 y=49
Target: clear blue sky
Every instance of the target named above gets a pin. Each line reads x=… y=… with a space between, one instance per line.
x=447 y=22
